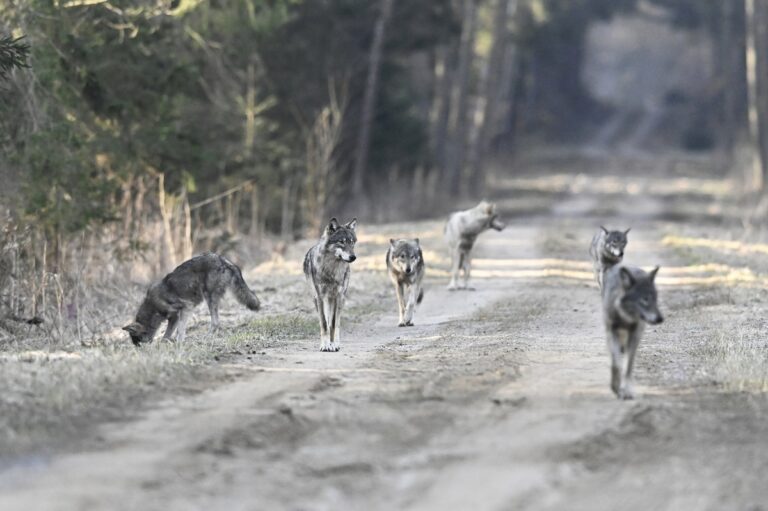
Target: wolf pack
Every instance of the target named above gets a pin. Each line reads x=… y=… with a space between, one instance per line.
x=629 y=298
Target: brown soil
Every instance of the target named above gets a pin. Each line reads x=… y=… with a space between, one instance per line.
x=496 y=399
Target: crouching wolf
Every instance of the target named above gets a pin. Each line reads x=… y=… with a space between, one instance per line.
x=326 y=267
x=204 y=277
x=405 y=265
x=607 y=250
x=461 y=232
x=629 y=301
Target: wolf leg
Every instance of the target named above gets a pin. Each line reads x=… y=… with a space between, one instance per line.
x=213 y=307
x=332 y=326
x=326 y=340
x=455 y=265
x=323 y=323
x=413 y=293
x=467 y=267
x=627 y=390
x=400 y=292
x=173 y=320
x=614 y=347
x=337 y=319
x=183 y=319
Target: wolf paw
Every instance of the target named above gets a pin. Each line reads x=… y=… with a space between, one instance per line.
x=330 y=347
x=409 y=323
x=625 y=394
x=402 y=323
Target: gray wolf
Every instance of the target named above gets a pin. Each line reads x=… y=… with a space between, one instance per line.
x=629 y=301
x=405 y=265
x=326 y=267
x=204 y=277
x=461 y=232
x=607 y=250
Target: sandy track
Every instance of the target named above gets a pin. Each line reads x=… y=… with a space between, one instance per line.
x=497 y=399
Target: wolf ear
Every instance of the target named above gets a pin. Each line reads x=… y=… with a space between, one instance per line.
x=627 y=231
x=627 y=280
x=134 y=328
x=417 y=241
x=392 y=242
x=490 y=208
x=352 y=224
x=653 y=273
x=604 y=229
x=332 y=226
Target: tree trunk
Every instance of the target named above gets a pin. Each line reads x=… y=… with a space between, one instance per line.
x=254 y=227
x=369 y=99
x=458 y=119
x=761 y=69
x=489 y=101
x=726 y=71
x=441 y=106
x=167 y=252
x=754 y=178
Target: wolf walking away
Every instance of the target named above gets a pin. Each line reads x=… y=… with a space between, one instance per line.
x=629 y=301
x=405 y=265
x=461 y=232
x=607 y=250
x=326 y=267
x=204 y=277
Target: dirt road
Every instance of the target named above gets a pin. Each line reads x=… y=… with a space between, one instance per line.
x=497 y=399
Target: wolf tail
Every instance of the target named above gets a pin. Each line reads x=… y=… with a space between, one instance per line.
x=240 y=289
x=421 y=296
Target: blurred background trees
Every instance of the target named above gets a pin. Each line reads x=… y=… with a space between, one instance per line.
x=177 y=125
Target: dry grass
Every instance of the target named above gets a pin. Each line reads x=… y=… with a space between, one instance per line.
x=51 y=395
x=737 y=361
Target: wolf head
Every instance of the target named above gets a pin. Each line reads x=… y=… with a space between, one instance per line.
x=639 y=299
x=148 y=319
x=615 y=242
x=488 y=210
x=139 y=333
x=340 y=239
x=405 y=255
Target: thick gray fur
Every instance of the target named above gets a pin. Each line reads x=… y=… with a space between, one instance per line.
x=326 y=267
x=606 y=251
x=629 y=301
x=405 y=265
x=461 y=232
x=204 y=277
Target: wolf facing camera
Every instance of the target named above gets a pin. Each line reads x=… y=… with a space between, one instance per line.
x=326 y=268
x=607 y=250
x=629 y=301
x=405 y=266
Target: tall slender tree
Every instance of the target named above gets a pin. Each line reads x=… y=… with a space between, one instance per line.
x=489 y=99
x=457 y=125
x=369 y=99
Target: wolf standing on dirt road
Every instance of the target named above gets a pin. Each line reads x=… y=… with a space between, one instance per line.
x=326 y=267
x=607 y=250
x=204 y=277
x=629 y=300
x=461 y=232
x=405 y=266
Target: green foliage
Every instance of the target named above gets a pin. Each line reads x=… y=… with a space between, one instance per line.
x=13 y=54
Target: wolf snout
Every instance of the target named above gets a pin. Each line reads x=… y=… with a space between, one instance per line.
x=408 y=270
x=656 y=319
x=352 y=258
